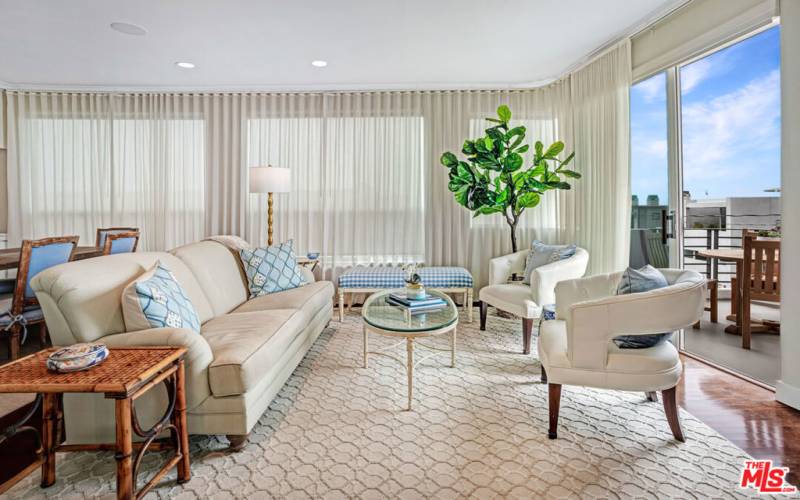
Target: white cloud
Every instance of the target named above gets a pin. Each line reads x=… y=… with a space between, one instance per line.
x=655 y=148
x=718 y=134
x=693 y=74
x=652 y=88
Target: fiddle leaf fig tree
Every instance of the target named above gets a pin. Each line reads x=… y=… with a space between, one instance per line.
x=494 y=178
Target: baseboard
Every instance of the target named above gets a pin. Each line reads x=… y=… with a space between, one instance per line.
x=787 y=394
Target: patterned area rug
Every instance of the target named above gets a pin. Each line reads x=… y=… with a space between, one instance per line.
x=478 y=430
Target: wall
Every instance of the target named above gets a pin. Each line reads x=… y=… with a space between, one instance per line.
x=788 y=388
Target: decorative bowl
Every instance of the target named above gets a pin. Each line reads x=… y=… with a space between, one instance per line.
x=77 y=357
x=312 y=255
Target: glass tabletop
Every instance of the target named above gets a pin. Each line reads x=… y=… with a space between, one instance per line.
x=379 y=313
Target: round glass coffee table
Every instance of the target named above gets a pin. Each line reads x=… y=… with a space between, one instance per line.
x=393 y=321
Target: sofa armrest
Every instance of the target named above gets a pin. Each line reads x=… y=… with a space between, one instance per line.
x=544 y=279
x=500 y=268
x=308 y=274
x=196 y=361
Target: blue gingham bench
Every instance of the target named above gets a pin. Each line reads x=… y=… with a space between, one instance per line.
x=364 y=279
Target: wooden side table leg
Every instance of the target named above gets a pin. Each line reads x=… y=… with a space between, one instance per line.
x=179 y=421
x=50 y=425
x=125 y=489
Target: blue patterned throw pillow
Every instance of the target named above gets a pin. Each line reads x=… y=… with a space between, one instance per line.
x=636 y=281
x=156 y=300
x=541 y=254
x=271 y=269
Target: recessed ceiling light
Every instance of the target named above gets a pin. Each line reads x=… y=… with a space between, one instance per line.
x=319 y=64
x=184 y=65
x=129 y=29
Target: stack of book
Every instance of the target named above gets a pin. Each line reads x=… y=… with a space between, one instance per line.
x=426 y=304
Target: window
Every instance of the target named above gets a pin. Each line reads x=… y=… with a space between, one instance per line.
x=357 y=177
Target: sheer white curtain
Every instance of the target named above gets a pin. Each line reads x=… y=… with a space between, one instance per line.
x=367 y=185
x=82 y=161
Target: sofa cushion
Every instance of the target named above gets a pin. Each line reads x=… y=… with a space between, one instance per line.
x=247 y=345
x=271 y=269
x=309 y=298
x=156 y=300
x=218 y=271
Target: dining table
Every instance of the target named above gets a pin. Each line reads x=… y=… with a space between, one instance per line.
x=736 y=256
x=9 y=257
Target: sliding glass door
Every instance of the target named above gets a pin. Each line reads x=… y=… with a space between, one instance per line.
x=705 y=165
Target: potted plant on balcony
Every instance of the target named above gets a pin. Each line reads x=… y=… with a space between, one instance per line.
x=494 y=179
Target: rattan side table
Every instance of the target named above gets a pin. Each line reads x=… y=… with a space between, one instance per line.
x=128 y=373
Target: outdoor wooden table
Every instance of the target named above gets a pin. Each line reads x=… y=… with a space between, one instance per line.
x=127 y=374
x=735 y=255
x=9 y=257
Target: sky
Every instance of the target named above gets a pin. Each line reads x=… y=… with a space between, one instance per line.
x=730 y=116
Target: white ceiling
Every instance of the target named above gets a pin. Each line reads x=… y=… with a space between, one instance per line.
x=269 y=44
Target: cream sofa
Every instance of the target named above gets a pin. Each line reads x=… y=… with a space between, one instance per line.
x=246 y=351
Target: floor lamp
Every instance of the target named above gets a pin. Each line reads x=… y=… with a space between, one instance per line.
x=270 y=180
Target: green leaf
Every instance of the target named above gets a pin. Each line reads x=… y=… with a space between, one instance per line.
x=554 y=149
x=539 y=169
x=504 y=113
x=468 y=148
x=496 y=135
x=570 y=173
x=480 y=145
x=489 y=210
x=494 y=120
x=449 y=159
x=559 y=185
x=523 y=149
x=489 y=143
x=528 y=200
x=464 y=172
x=487 y=160
x=551 y=177
x=539 y=147
x=456 y=184
x=534 y=184
x=569 y=159
x=462 y=195
x=512 y=163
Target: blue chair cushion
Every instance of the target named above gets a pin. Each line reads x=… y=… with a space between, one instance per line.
x=122 y=245
x=157 y=300
x=271 y=269
x=541 y=254
x=44 y=257
x=636 y=281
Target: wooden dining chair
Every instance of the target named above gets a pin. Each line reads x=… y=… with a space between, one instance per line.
x=121 y=242
x=21 y=309
x=762 y=278
x=103 y=232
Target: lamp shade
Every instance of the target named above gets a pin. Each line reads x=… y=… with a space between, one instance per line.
x=270 y=180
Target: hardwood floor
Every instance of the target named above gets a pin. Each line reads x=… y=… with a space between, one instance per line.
x=745 y=413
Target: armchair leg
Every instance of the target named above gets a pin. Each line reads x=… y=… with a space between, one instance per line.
x=484 y=311
x=43 y=335
x=527 y=329
x=554 y=400
x=652 y=396
x=544 y=375
x=671 y=409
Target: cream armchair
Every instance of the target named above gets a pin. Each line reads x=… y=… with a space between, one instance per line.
x=577 y=349
x=523 y=300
